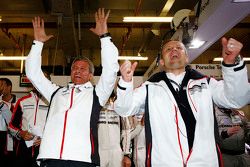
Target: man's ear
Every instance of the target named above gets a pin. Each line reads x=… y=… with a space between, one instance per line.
x=91 y=76
x=162 y=62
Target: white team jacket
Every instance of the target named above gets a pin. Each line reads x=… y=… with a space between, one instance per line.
x=29 y=114
x=67 y=131
x=169 y=141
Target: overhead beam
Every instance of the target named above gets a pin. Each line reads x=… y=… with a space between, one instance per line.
x=217 y=18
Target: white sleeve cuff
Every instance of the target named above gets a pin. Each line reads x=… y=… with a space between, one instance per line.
x=125 y=84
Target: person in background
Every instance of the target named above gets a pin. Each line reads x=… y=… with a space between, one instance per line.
x=127 y=126
x=9 y=99
x=70 y=136
x=6 y=90
x=5 y=117
x=138 y=136
x=27 y=124
x=136 y=144
x=109 y=132
x=178 y=104
x=234 y=132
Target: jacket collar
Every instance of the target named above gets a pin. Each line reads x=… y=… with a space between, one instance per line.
x=81 y=87
x=191 y=73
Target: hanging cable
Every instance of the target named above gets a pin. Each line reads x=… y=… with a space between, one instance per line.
x=57 y=40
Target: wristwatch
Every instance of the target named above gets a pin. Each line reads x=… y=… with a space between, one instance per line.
x=105 y=35
x=237 y=59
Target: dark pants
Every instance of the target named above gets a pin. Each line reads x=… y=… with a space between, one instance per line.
x=3 y=138
x=6 y=157
x=64 y=163
x=26 y=156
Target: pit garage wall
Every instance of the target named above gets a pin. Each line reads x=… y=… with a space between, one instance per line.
x=213 y=70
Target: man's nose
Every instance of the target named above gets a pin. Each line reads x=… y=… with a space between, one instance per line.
x=174 y=49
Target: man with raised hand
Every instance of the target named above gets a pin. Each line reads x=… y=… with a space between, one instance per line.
x=178 y=103
x=70 y=134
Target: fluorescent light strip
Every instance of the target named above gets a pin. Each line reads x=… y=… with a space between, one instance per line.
x=132 y=58
x=221 y=59
x=147 y=19
x=238 y=1
x=13 y=57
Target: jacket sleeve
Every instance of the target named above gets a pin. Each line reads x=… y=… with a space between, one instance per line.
x=110 y=67
x=129 y=101
x=129 y=132
x=5 y=112
x=16 y=120
x=233 y=90
x=136 y=131
x=126 y=136
x=34 y=72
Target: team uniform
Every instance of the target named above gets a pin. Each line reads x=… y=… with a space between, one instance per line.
x=179 y=124
x=138 y=136
x=29 y=115
x=136 y=140
x=109 y=132
x=71 y=128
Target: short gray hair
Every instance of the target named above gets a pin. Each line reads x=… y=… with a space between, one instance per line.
x=83 y=58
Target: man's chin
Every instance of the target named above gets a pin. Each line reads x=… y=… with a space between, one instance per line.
x=77 y=82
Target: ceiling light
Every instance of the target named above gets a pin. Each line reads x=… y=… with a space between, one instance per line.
x=13 y=57
x=237 y=1
x=196 y=44
x=221 y=59
x=132 y=58
x=0 y=18
x=147 y=19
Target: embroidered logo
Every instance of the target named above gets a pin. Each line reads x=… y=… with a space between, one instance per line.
x=197 y=88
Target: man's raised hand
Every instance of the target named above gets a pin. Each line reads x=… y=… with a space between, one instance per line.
x=231 y=49
x=39 y=31
x=127 y=70
x=101 y=22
